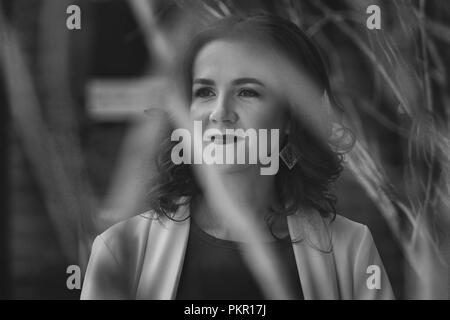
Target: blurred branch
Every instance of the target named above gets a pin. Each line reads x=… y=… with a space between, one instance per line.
x=423 y=38
x=438 y=30
x=37 y=141
x=422 y=247
x=345 y=28
x=61 y=116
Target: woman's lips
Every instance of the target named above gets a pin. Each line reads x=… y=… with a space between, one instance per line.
x=223 y=137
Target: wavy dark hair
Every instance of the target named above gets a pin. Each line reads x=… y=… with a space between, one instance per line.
x=309 y=183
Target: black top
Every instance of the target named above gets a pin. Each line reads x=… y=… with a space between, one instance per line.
x=214 y=268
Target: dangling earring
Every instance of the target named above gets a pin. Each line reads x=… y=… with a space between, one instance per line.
x=290 y=155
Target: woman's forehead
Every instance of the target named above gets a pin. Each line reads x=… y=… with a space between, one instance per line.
x=225 y=59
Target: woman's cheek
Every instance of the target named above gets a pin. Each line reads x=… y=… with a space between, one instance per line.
x=266 y=117
x=197 y=111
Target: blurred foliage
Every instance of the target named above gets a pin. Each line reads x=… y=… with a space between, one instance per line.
x=392 y=83
x=393 y=86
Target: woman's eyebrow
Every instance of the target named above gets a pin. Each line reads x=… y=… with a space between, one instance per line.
x=241 y=81
x=235 y=82
x=203 y=81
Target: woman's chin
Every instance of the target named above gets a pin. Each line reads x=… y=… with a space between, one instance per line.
x=231 y=168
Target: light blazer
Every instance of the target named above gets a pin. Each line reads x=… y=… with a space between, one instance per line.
x=142 y=258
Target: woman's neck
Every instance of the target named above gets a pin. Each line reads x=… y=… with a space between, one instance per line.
x=247 y=188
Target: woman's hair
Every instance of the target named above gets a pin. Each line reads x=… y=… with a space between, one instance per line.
x=308 y=183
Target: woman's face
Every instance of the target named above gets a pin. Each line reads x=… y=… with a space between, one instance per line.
x=234 y=88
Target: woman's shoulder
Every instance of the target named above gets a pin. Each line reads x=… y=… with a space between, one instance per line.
x=129 y=231
x=116 y=255
x=350 y=235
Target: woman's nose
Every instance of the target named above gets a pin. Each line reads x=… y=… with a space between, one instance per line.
x=223 y=112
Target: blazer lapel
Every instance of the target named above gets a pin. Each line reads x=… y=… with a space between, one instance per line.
x=164 y=256
x=316 y=268
x=167 y=241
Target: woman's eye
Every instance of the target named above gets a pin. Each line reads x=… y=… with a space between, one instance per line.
x=248 y=93
x=204 y=93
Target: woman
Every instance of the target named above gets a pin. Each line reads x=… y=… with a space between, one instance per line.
x=256 y=73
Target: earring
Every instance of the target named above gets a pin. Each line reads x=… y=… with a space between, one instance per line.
x=289 y=154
